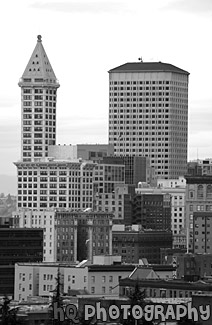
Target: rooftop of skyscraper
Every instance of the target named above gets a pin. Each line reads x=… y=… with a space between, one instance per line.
x=148 y=67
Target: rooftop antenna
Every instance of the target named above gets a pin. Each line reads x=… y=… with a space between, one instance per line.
x=140 y=59
x=197 y=155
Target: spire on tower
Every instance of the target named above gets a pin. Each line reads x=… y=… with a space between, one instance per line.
x=39 y=67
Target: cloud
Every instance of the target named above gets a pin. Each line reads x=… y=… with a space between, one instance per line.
x=200 y=116
x=9 y=135
x=82 y=130
x=80 y=7
x=7 y=102
x=200 y=145
x=191 y=6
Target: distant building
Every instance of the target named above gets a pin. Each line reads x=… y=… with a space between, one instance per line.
x=133 y=243
x=180 y=241
x=38 y=100
x=17 y=245
x=176 y=188
x=193 y=169
x=58 y=184
x=148 y=114
x=110 y=189
x=81 y=235
x=38 y=279
x=198 y=199
x=69 y=235
x=44 y=219
x=33 y=280
x=202 y=231
x=152 y=211
x=104 y=279
x=137 y=169
x=94 y=152
x=200 y=167
x=163 y=288
x=192 y=267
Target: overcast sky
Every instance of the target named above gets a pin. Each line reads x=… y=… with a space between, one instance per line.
x=83 y=40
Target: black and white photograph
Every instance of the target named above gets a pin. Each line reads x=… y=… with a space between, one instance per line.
x=106 y=162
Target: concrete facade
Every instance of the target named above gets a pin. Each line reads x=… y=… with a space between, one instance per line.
x=176 y=189
x=39 y=279
x=94 y=152
x=198 y=199
x=38 y=104
x=133 y=243
x=58 y=184
x=69 y=236
x=148 y=114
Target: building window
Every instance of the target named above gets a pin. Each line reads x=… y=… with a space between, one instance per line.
x=200 y=192
x=209 y=191
x=103 y=289
x=92 y=289
x=103 y=278
x=191 y=194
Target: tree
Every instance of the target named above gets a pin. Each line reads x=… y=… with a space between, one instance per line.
x=137 y=297
x=8 y=315
x=58 y=301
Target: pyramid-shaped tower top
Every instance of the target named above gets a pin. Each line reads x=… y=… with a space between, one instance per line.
x=39 y=67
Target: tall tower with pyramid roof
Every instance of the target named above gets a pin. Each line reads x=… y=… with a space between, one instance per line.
x=38 y=100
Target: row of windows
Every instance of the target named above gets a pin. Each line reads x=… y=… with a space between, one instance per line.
x=139 y=93
x=135 y=99
x=147 y=82
x=39 y=110
x=38 y=104
x=39 y=97
x=39 y=116
x=73 y=205
x=200 y=192
x=55 y=199
x=39 y=91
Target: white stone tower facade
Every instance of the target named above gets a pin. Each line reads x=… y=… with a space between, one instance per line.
x=38 y=100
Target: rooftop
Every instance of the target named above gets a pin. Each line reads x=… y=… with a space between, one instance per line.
x=148 y=67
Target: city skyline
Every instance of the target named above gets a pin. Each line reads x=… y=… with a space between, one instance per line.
x=82 y=113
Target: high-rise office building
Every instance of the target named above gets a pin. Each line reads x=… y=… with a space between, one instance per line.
x=39 y=94
x=148 y=114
